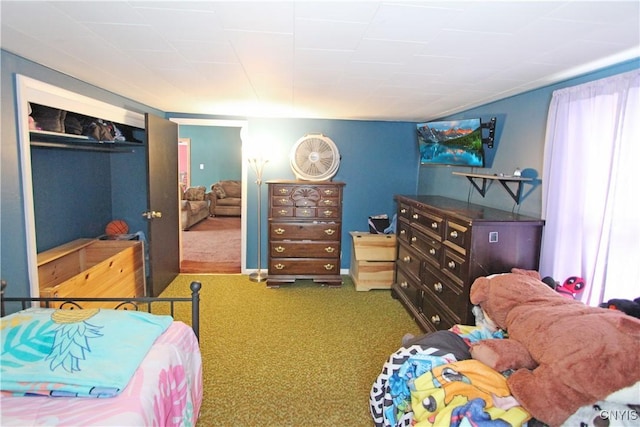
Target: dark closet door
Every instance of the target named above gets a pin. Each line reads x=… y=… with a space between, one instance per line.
x=163 y=203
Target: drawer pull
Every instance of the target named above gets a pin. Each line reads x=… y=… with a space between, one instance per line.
x=278 y=266
x=329 y=231
x=282 y=211
x=404 y=285
x=279 y=249
x=414 y=239
x=453 y=234
x=415 y=216
x=434 y=225
x=283 y=191
x=305 y=212
x=403 y=210
x=328 y=212
x=329 y=249
x=451 y=265
x=279 y=231
x=403 y=232
x=432 y=251
x=437 y=287
x=328 y=192
x=435 y=319
x=283 y=201
x=407 y=259
x=328 y=267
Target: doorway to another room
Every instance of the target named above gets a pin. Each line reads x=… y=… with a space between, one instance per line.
x=212 y=242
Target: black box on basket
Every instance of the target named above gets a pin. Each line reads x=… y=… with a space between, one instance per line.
x=378 y=223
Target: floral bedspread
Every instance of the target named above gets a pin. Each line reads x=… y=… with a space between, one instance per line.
x=165 y=390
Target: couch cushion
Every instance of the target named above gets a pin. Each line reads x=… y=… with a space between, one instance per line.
x=195 y=193
x=232 y=188
x=219 y=190
x=230 y=201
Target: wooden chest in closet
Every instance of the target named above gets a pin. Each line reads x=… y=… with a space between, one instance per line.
x=305 y=228
x=445 y=244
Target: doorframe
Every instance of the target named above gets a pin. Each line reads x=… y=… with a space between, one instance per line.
x=244 y=130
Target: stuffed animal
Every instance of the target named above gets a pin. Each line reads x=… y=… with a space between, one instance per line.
x=565 y=354
x=632 y=308
x=569 y=289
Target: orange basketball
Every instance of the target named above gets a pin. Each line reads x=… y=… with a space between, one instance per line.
x=117 y=226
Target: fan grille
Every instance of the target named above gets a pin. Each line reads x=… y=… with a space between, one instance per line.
x=314 y=158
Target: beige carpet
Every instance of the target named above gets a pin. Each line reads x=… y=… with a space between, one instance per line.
x=299 y=355
x=212 y=246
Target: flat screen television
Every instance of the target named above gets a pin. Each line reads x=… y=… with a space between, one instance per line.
x=451 y=142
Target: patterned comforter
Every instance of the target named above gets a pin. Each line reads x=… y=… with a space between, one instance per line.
x=165 y=389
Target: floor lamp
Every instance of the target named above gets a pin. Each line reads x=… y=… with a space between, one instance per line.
x=257 y=164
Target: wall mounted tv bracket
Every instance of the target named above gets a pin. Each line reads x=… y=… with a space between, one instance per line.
x=491 y=125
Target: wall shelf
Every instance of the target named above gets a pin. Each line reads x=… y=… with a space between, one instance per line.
x=503 y=179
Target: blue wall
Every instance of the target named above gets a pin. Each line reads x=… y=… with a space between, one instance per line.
x=218 y=149
x=379 y=159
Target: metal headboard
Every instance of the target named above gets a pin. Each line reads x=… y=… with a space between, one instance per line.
x=137 y=304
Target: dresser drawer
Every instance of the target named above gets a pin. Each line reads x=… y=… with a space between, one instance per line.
x=304 y=230
x=404 y=211
x=435 y=315
x=281 y=201
x=409 y=260
x=404 y=232
x=429 y=247
x=409 y=288
x=304 y=266
x=430 y=222
x=442 y=289
x=282 y=190
x=457 y=234
x=454 y=266
x=294 y=249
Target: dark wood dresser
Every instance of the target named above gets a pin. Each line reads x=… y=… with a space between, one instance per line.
x=445 y=244
x=305 y=228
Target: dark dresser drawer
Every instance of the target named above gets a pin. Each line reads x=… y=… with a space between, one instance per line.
x=304 y=266
x=441 y=288
x=408 y=286
x=456 y=233
x=303 y=230
x=428 y=246
x=436 y=316
x=409 y=260
x=429 y=222
x=304 y=249
x=454 y=266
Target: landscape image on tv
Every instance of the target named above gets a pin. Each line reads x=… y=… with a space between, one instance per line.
x=451 y=142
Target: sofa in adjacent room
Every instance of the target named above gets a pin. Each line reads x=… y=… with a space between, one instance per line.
x=226 y=198
x=194 y=206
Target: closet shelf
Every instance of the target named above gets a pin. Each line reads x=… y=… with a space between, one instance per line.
x=504 y=180
x=46 y=139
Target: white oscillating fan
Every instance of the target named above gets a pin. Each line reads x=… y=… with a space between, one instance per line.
x=314 y=158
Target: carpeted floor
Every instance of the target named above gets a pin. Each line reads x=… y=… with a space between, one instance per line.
x=212 y=246
x=298 y=355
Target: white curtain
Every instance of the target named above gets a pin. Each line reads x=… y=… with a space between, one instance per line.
x=591 y=187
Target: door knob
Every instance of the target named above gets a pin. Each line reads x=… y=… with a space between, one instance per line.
x=152 y=214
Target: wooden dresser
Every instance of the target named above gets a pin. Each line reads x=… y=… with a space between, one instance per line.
x=445 y=244
x=305 y=228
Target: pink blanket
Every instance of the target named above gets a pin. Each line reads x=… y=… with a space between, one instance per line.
x=166 y=390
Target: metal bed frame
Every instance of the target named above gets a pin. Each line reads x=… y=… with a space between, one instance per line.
x=137 y=304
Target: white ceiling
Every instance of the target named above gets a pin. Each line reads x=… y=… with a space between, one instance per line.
x=370 y=60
